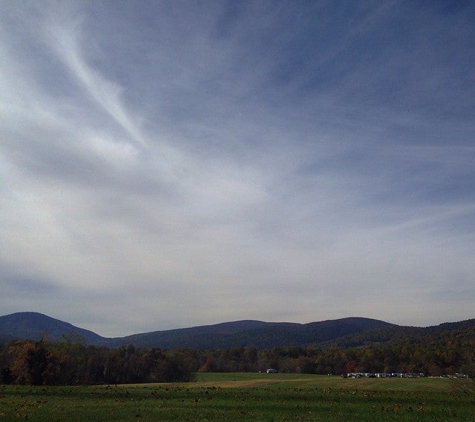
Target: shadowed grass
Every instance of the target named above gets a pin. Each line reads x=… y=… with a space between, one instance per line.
x=394 y=384
x=243 y=397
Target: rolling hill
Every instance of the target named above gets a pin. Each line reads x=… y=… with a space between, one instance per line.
x=461 y=331
x=34 y=326
x=345 y=332
x=258 y=334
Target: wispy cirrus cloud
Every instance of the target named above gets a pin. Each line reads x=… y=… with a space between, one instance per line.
x=208 y=162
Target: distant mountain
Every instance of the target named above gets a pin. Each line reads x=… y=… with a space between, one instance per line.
x=341 y=333
x=259 y=334
x=393 y=334
x=34 y=326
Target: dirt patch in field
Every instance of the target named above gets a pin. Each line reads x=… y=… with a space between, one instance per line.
x=241 y=383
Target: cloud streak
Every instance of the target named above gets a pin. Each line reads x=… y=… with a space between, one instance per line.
x=105 y=93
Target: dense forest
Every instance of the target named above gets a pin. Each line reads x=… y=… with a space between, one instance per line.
x=70 y=362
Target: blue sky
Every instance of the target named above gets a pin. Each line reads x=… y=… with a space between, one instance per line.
x=165 y=164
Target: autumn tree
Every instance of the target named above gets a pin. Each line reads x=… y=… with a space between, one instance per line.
x=28 y=362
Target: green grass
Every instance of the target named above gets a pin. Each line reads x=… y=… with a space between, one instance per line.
x=244 y=397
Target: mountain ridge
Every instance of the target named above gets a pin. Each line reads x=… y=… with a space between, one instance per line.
x=343 y=332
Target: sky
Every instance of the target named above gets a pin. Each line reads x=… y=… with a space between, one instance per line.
x=167 y=164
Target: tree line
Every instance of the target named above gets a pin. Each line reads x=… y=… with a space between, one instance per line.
x=404 y=358
x=70 y=362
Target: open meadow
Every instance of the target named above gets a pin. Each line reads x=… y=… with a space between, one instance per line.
x=245 y=397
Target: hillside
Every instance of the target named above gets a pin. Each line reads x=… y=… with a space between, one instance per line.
x=34 y=326
x=340 y=333
x=259 y=334
x=393 y=334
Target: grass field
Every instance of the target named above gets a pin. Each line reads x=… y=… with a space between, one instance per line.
x=244 y=397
